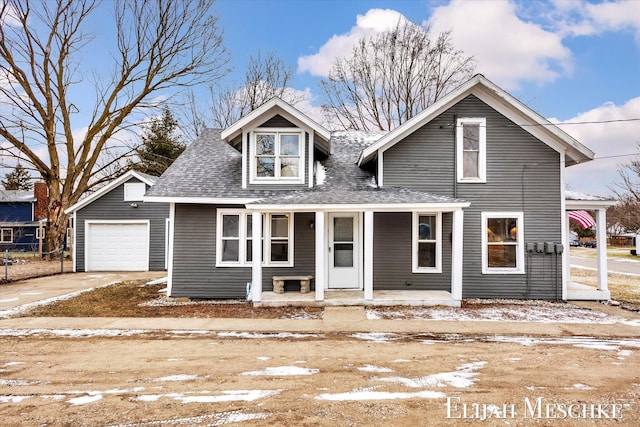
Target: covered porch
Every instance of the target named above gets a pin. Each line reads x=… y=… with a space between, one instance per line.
x=350 y=298
x=345 y=236
x=577 y=291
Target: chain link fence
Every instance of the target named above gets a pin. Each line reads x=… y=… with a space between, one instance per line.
x=21 y=263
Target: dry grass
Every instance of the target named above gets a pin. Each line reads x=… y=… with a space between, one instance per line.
x=622 y=287
x=128 y=300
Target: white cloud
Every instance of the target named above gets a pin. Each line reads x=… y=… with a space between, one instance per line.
x=373 y=22
x=507 y=49
x=581 y=18
x=606 y=140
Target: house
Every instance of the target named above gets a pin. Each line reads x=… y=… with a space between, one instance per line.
x=23 y=217
x=114 y=230
x=466 y=199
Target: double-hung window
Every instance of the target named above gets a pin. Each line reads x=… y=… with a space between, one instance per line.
x=471 y=142
x=234 y=242
x=6 y=235
x=278 y=156
x=427 y=242
x=502 y=243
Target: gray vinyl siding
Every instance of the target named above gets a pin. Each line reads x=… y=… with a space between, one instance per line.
x=112 y=206
x=195 y=274
x=523 y=175
x=392 y=258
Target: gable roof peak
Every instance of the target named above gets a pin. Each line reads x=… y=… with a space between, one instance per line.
x=276 y=106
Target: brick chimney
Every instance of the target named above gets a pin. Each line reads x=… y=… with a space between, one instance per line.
x=41 y=194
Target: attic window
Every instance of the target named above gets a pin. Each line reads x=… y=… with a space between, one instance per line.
x=134 y=191
x=471 y=141
x=278 y=155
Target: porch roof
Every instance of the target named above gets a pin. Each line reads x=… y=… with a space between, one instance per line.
x=373 y=198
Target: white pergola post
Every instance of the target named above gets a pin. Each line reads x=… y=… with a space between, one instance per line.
x=368 y=255
x=256 y=265
x=601 y=237
x=321 y=271
x=456 y=255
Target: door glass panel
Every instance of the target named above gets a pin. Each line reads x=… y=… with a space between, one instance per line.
x=343 y=229
x=343 y=255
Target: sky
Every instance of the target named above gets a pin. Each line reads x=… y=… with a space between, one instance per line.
x=571 y=61
x=575 y=62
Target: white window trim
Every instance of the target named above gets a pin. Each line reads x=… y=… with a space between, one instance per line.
x=519 y=247
x=253 y=179
x=2 y=233
x=414 y=240
x=482 y=154
x=242 y=231
x=132 y=191
x=266 y=248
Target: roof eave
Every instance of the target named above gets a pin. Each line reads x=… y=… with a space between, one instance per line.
x=235 y=129
x=107 y=188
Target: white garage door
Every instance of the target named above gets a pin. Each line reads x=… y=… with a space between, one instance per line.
x=117 y=246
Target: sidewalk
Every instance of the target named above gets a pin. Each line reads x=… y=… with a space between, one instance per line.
x=335 y=319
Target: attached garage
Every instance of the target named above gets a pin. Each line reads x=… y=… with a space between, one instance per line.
x=117 y=246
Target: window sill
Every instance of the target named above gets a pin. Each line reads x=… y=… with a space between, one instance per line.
x=501 y=272
x=472 y=181
x=267 y=181
x=434 y=270
x=264 y=265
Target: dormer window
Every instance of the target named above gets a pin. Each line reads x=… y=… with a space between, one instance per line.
x=278 y=155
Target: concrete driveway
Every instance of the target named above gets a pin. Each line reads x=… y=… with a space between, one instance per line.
x=29 y=291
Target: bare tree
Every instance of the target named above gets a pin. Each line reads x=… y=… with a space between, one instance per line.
x=627 y=190
x=159 y=45
x=391 y=77
x=266 y=77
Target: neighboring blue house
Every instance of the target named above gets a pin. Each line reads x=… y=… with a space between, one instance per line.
x=466 y=199
x=22 y=214
x=114 y=230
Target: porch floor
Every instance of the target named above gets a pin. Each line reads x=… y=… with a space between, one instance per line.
x=580 y=292
x=356 y=297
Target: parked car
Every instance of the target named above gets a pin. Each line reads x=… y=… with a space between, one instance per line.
x=575 y=243
x=591 y=244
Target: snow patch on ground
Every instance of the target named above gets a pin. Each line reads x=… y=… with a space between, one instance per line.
x=83 y=400
x=372 y=368
x=582 y=387
x=382 y=337
x=14 y=363
x=282 y=371
x=462 y=377
x=263 y=358
x=380 y=395
x=581 y=342
x=537 y=311
x=13 y=399
x=259 y=335
x=217 y=419
x=182 y=377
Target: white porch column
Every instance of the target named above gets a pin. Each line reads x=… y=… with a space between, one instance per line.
x=456 y=255
x=566 y=256
x=321 y=245
x=601 y=237
x=256 y=265
x=368 y=255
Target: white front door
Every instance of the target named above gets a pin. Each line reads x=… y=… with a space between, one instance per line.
x=344 y=251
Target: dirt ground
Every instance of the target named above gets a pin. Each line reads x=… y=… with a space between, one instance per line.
x=318 y=380
x=29 y=267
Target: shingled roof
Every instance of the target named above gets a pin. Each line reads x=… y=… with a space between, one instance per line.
x=211 y=168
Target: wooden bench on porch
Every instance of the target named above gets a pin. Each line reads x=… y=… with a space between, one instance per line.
x=305 y=283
